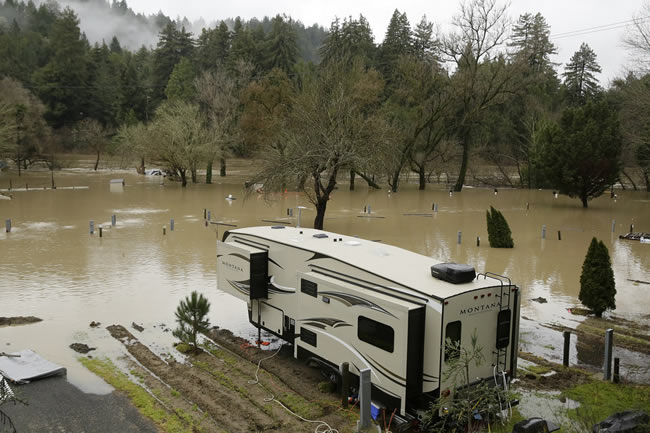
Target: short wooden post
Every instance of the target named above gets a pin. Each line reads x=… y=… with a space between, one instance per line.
x=345 y=384
x=460 y=234
x=92 y=227
x=113 y=220
x=567 y=341
x=544 y=231
x=171 y=225
x=100 y=230
x=364 y=398
x=527 y=206
x=205 y=213
x=631 y=228
x=617 y=377
x=8 y=225
x=559 y=235
x=164 y=230
x=478 y=241
x=607 y=364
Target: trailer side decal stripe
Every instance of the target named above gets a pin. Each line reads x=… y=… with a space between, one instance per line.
x=353 y=300
x=390 y=372
x=334 y=323
x=242 y=286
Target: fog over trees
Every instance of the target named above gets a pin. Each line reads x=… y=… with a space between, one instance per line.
x=317 y=107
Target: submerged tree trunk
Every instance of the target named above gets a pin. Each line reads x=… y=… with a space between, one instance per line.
x=352 y=176
x=193 y=174
x=463 y=167
x=97 y=160
x=321 y=206
x=208 y=173
x=142 y=165
x=222 y=171
x=370 y=180
x=423 y=178
x=183 y=178
x=584 y=202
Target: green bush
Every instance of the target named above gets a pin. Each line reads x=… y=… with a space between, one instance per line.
x=597 y=286
x=499 y=233
x=191 y=315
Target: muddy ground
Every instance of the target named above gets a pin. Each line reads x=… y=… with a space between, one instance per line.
x=18 y=320
x=216 y=390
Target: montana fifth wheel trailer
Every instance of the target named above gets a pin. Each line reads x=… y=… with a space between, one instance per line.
x=342 y=299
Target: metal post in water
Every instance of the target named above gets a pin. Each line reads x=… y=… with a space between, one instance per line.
x=559 y=236
x=478 y=241
x=613 y=226
x=364 y=397
x=208 y=215
x=368 y=209
x=164 y=230
x=544 y=231
x=100 y=230
x=92 y=227
x=171 y=225
x=8 y=225
x=567 y=341
x=617 y=376
x=113 y=220
x=459 y=236
x=631 y=228
x=435 y=207
x=345 y=384
x=607 y=364
x=205 y=213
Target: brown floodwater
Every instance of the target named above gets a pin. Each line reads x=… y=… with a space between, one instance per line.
x=51 y=267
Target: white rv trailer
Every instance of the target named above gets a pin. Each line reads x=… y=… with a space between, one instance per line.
x=342 y=299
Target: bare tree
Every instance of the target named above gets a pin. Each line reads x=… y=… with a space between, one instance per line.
x=131 y=141
x=637 y=39
x=218 y=93
x=335 y=125
x=92 y=135
x=481 y=77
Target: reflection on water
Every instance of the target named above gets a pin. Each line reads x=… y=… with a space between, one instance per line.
x=54 y=269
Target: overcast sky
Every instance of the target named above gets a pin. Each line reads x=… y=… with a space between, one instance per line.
x=562 y=15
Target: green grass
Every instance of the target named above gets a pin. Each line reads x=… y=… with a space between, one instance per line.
x=601 y=399
x=141 y=399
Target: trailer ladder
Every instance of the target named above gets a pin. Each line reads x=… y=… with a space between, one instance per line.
x=501 y=353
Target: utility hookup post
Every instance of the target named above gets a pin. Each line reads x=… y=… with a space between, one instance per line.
x=300 y=208
x=364 y=399
x=607 y=364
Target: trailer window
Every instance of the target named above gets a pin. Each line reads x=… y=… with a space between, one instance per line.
x=376 y=333
x=452 y=340
x=503 y=329
x=308 y=336
x=309 y=287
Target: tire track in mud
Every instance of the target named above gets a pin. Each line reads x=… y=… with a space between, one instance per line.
x=227 y=407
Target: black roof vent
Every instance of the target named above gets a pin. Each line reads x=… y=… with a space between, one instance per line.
x=455 y=273
x=320 y=235
x=277 y=227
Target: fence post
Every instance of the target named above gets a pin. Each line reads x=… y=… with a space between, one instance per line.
x=364 y=397
x=345 y=384
x=609 y=341
x=567 y=341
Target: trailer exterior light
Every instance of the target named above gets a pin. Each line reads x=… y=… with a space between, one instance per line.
x=446 y=302
x=514 y=289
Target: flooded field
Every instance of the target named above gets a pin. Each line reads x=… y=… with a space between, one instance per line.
x=52 y=268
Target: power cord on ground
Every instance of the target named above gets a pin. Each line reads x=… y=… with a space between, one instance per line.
x=322 y=426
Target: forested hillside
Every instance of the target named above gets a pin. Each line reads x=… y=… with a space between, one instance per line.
x=315 y=104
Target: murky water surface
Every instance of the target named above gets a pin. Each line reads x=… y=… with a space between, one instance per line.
x=51 y=267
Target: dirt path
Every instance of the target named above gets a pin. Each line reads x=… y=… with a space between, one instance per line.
x=215 y=391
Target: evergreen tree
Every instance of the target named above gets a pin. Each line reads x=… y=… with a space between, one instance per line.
x=499 y=234
x=115 y=46
x=349 y=40
x=61 y=83
x=172 y=46
x=213 y=47
x=191 y=316
x=181 y=82
x=397 y=42
x=282 y=49
x=581 y=156
x=242 y=44
x=579 y=76
x=423 y=43
x=531 y=42
x=597 y=285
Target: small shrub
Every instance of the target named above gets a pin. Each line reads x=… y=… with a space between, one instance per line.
x=499 y=233
x=597 y=286
x=191 y=316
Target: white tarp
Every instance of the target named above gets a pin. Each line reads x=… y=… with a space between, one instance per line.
x=27 y=366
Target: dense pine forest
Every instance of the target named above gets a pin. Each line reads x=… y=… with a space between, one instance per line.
x=313 y=104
